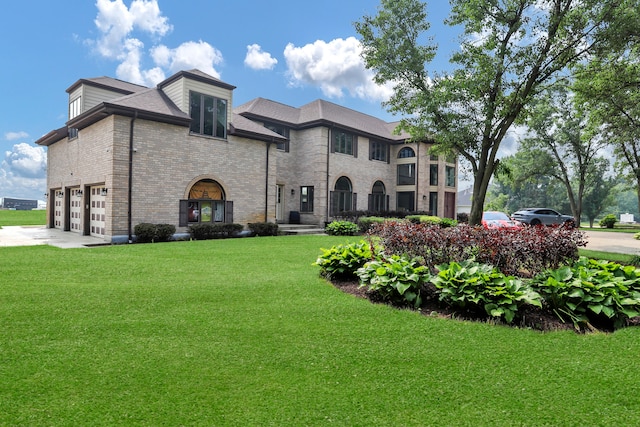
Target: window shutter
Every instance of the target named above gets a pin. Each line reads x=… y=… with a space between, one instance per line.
x=286 y=146
x=332 y=142
x=370 y=150
x=355 y=146
x=333 y=205
x=370 y=202
x=228 y=212
x=388 y=153
x=354 y=204
x=386 y=203
x=183 y=219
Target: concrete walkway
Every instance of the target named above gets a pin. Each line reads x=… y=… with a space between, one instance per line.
x=41 y=235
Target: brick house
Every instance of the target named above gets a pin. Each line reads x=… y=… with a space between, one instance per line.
x=180 y=154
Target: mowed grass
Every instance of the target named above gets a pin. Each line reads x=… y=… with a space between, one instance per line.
x=34 y=217
x=244 y=332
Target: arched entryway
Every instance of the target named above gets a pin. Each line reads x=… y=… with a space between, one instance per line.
x=206 y=203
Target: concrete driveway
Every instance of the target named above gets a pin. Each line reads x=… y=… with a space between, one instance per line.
x=31 y=235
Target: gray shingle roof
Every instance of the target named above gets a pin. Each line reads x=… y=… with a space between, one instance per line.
x=108 y=83
x=318 y=112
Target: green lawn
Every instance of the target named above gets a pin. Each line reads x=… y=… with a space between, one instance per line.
x=244 y=332
x=35 y=217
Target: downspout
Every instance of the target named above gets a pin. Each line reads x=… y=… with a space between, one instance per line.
x=418 y=180
x=327 y=198
x=266 y=183
x=130 y=195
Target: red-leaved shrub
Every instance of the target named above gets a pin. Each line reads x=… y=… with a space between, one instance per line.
x=521 y=252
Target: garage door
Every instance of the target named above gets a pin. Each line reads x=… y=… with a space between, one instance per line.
x=98 y=212
x=58 y=203
x=75 y=210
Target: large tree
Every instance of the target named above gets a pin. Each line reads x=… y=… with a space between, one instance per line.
x=608 y=87
x=509 y=49
x=571 y=152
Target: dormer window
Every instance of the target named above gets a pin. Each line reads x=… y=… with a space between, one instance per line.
x=208 y=115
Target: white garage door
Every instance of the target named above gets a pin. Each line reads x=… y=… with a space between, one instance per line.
x=75 y=210
x=58 y=203
x=98 y=212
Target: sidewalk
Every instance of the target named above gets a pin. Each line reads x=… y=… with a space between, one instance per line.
x=40 y=235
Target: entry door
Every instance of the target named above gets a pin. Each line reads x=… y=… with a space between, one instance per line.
x=279 y=203
x=75 y=210
x=98 y=212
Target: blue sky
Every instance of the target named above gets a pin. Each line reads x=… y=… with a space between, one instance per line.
x=290 y=51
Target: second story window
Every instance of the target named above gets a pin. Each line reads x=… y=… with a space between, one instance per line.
x=450 y=176
x=378 y=151
x=343 y=142
x=407 y=174
x=280 y=130
x=208 y=115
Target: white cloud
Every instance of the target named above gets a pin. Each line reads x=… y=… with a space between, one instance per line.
x=188 y=55
x=12 y=136
x=259 y=60
x=334 y=67
x=122 y=30
x=23 y=172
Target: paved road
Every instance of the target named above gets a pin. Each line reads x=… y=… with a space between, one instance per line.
x=609 y=241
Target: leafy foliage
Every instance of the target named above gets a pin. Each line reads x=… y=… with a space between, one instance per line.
x=146 y=232
x=342 y=261
x=592 y=291
x=395 y=278
x=207 y=231
x=608 y=221
x=470 y=283
x=524 y=252
x=342 y=228
x=263 y=228
x=523 y=48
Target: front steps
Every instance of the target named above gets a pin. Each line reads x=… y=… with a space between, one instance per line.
x=298 y=229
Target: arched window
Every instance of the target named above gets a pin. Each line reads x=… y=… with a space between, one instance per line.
x=378 y=200
x=406 y=152
x=342 y=198
x=206 y=204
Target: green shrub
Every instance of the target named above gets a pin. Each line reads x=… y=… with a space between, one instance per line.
x=164 y=232
x=342 y=261
x=207 y=231
x=636 y=236
x=396 y=279
x=470 y=284
x=145 y=232
x=592 y=292
x=264 y=228
x=342 y=228
x=608 y=221
x=432 y=220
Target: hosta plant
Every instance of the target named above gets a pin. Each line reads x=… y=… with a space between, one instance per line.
x=590 y=291
x=470 y=284
x=395 y=278
x=342 y=261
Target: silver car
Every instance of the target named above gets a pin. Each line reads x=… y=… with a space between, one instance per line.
x=542 y=216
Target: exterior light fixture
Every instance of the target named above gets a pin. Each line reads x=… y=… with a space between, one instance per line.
x=293 y=191
x=104 y=192
x=79 y=193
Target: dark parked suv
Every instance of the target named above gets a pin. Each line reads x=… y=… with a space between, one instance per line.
x=542 y=216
